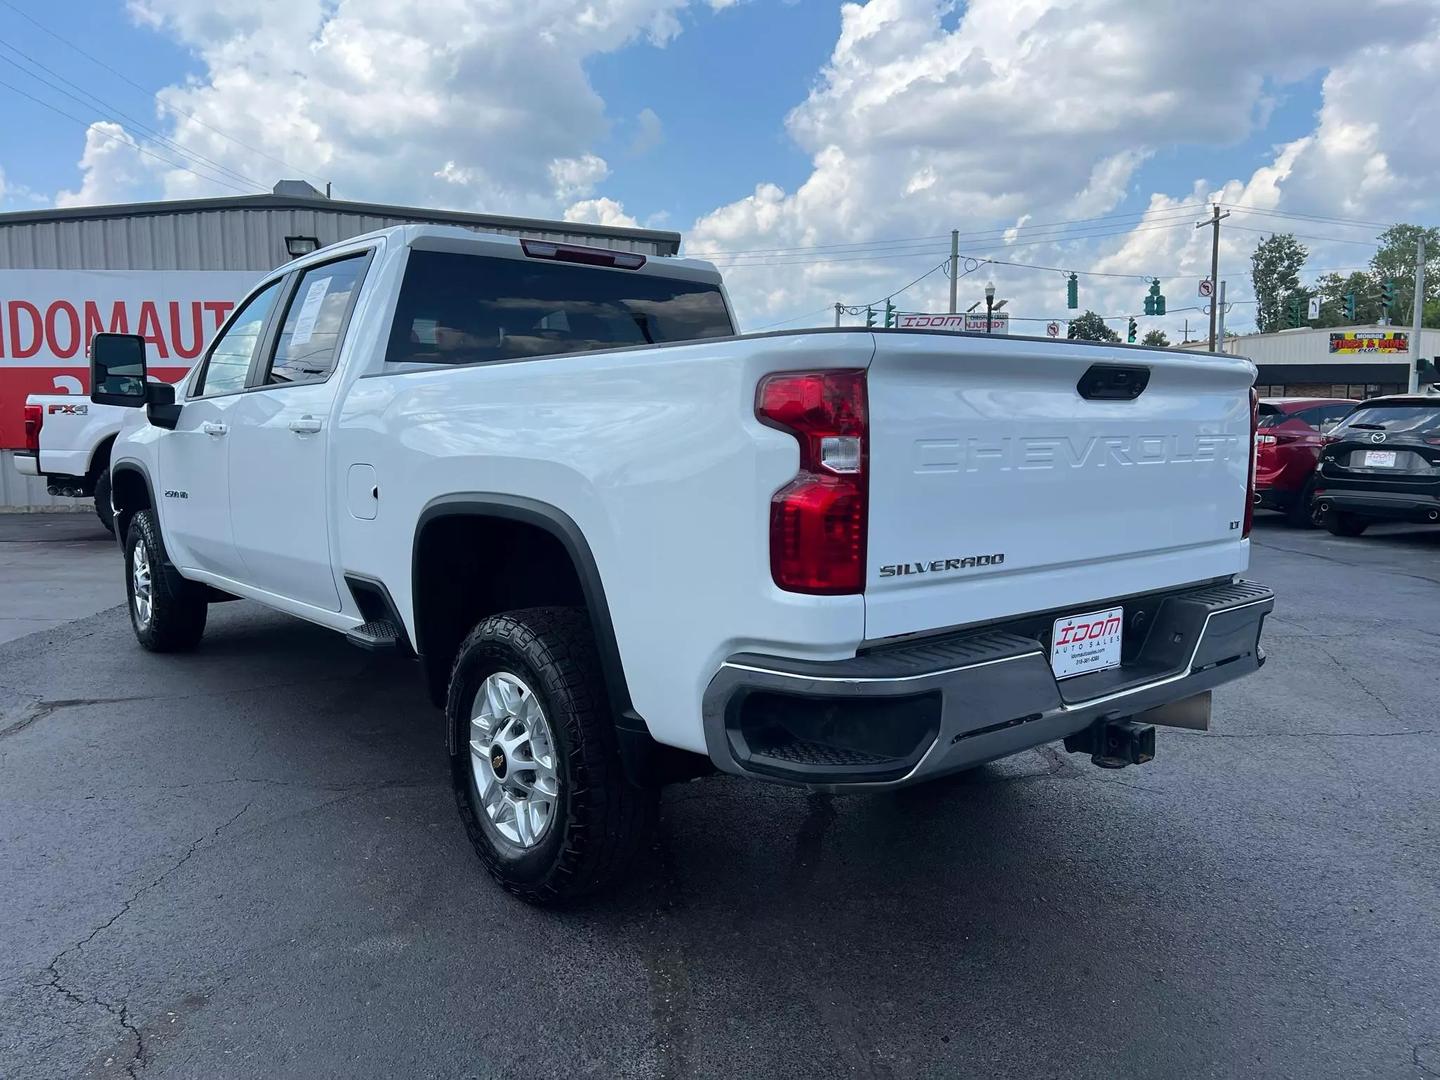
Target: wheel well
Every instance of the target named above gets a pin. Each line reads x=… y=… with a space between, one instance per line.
x=100 y=460
x=130 y=493
x=471 y=566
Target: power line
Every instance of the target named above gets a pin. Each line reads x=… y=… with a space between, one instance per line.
x=115 y=138
x=1262 y=212
x=153 y=95
x=1146 y=217
x=1304 y=236
x=168 y=144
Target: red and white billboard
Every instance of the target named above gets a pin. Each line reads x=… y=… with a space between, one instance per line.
x=47 y=318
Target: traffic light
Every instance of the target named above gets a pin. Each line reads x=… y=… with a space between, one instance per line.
x=1294 y=307
x=869 y=316
x=1427 y=370
x=890 y=319
x=1387 y=295
x=1131 y=336
x=1349 y=299
x=1072 y=292
x=1154 y=299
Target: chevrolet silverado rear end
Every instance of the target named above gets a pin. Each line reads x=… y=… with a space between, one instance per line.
x=1048 y=538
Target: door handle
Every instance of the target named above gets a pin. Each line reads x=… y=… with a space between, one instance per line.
x=212 y=428
x=305 y=425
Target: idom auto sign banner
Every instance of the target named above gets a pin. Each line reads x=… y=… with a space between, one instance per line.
x=972 y=321
x=47 y=318
x=1396 y=343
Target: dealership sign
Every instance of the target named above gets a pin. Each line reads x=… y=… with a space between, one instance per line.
x=47 y=318
x=1397 y=344
x=999 y=322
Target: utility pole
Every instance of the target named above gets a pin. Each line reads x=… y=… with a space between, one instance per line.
x=839 y=307
x=1187 y=329
x=954 y=266
x=1220 y=306
x=1214 y=222
x=1419 y=314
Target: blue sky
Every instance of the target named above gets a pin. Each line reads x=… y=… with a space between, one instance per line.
x=762 y=125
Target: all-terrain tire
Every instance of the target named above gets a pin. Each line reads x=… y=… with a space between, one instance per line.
x=174 y=619
x=600 y=820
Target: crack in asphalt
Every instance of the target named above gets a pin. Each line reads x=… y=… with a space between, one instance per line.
x=41 y=708
x=121 y=1012
x=1356 y=680
x=1347 y=563
x=1306 y=734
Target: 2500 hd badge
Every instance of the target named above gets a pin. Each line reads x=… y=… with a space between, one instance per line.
x=939 y=566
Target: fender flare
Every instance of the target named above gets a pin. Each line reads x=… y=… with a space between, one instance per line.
x=121 y=468
x=563 y=528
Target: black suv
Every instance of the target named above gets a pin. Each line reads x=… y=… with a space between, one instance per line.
x=1382 y=463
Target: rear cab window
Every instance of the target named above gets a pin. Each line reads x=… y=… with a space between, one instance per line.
x=1413 y=418
x=472 y=309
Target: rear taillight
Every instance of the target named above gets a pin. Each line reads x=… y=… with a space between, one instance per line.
x=1250 y=485
x=34 y=420
x=818 y=519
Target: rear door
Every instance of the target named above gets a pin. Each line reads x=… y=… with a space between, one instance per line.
x=1012 y=476
x=194 y=458
x=279 y=440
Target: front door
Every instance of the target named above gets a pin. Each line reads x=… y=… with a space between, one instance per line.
x=194 y=458
x=280 y=475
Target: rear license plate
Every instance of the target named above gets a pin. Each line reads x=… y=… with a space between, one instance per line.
x=1080 y=644
x=1384 y=459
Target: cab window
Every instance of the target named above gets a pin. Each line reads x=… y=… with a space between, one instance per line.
x=309 y=340
x=229 y=361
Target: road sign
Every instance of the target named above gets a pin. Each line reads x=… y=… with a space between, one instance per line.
x=1207 y=287
x=1052 y=329
x=1314 y=307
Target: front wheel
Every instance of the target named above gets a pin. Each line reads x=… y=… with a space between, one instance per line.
x=534 y=758
x=1345 y=524
x=166 y=611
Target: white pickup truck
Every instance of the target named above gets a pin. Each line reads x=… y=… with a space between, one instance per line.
x=68 y=439
x=628 y=546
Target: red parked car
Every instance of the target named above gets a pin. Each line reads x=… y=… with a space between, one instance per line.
x=1287 y=448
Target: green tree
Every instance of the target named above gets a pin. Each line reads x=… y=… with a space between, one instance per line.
x=1155 y=338
x=1275 y=274
x=1395 y=261
x=1332 y=289
x=1090 y=327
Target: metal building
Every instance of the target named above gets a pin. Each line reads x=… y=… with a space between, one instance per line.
x=50 y=257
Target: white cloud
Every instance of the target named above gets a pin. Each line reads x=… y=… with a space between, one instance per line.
x=577 y=176
x=921 y=122
x=112 y=168
x=649 y=132
x=448 y=103
x=600 y=211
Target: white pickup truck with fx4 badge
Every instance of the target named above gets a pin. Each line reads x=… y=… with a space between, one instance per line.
x=627 y=546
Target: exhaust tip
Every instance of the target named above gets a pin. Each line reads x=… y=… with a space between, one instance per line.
x=1325 y=508
x=1434 y=515
x=1255 y=498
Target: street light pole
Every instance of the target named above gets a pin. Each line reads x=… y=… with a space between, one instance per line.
x=954 y=266
x=989 y=305
x=1419 y=314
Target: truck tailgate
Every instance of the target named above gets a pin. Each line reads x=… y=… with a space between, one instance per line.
x=997 y=489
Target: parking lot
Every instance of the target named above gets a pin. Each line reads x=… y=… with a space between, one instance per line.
x=247 y=862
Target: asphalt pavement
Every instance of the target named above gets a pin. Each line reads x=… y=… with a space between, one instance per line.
x=246 y=862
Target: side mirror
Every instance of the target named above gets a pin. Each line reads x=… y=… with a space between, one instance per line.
x=117 y=370
x=160 y=407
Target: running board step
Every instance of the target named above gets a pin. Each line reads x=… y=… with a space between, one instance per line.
x=377 y=635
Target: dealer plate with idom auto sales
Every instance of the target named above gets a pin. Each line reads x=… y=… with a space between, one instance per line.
x=1081 y=644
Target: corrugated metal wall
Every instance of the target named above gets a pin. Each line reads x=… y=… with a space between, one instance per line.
x=229 y=239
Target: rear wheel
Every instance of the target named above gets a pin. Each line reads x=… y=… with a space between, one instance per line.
x=166 y=611
x=103 y=510
x=534 y=758
x=1299 y=514
x=1341 y=524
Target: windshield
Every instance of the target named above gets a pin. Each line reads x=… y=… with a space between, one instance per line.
x=467 y=309
x=1395 y=419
